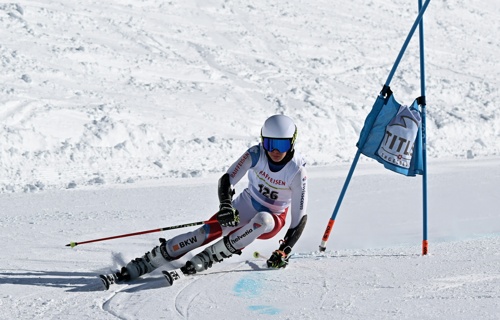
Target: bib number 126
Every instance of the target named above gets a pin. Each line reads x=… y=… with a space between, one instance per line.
x=266 y=192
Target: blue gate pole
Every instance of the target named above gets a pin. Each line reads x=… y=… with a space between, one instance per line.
x=425 y=242
x=326 y=235
x=407 y=41
x=329 y=227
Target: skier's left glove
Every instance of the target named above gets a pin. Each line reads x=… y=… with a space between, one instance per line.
x=279 y=258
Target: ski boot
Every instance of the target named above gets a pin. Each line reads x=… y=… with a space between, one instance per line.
x=145 y=264
x=205 y=259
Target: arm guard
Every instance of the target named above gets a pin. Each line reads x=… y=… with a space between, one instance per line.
x=292 y=235
x=226 y=191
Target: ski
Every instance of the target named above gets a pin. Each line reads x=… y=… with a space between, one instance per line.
x=108 y=280
x=171 y=276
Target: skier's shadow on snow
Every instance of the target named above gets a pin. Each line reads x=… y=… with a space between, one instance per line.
x=80 y=281
x=73 y=281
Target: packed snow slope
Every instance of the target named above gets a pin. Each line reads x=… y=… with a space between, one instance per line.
x=114 y=92
x=372 y=268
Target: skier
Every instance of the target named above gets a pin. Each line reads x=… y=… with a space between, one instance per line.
x=277 y=181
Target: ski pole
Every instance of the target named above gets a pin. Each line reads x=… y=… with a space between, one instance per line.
x=74 y=244
x=257 y=255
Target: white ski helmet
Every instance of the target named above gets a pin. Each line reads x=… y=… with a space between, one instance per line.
x=278 y=132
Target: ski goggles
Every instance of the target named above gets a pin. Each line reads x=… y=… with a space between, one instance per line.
x=280 y=144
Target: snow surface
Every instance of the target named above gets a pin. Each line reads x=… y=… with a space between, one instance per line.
x=120 y=116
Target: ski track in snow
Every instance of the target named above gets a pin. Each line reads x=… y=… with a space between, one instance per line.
x=106 y=306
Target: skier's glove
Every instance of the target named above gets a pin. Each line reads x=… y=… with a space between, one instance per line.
x=227 y=215
x=279 y=258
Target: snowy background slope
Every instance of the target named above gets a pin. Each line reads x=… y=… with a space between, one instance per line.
x=98 y=92
x=120 y=116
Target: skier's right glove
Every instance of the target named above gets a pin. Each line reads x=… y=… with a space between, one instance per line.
x=279 y=258
x=227 y=215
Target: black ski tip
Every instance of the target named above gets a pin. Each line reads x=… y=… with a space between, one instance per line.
x=105 y=281
x=168 y=277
